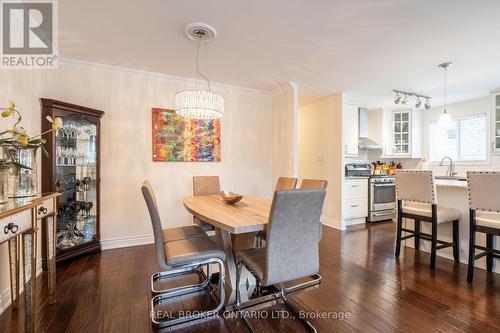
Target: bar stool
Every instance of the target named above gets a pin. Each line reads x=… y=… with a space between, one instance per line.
x=484 y=207
x=418 y=187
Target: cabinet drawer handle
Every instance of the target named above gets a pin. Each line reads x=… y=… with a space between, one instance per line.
x=354 y=185
x=12 y=227
x=354 y=206
x=42 y=210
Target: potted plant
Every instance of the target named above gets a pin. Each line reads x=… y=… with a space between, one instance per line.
x=19 y=175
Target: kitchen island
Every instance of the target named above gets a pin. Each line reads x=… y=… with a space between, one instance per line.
x=452 y=193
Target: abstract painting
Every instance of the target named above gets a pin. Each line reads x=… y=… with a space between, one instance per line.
x=178 y=139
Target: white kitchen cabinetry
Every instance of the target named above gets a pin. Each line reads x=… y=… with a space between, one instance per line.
x=402 y=133
x=350 y=134
x=355 y=201
x=495 y=121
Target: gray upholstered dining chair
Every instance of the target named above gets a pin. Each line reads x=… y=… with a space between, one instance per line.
x=205 y=185
x=285 y=183
x=417 y=187
x=292 y=250
x=181 y=251
x=315 y=183
x=484 y=205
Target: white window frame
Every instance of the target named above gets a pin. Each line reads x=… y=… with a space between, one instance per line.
x=487 y=161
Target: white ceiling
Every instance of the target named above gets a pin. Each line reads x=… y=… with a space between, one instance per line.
x=364 y=47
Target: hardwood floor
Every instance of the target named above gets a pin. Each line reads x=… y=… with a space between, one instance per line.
x=110 y=293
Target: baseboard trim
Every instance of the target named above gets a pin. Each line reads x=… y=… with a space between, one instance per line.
x=5 y=295
x=333 y=223
x=117 y=243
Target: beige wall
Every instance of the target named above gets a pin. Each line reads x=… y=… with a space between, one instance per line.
x=320 y=150
x=127 y=98
x=285 y=132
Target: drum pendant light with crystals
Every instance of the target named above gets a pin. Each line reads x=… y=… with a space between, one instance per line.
x=445 y=118
x=199 y=104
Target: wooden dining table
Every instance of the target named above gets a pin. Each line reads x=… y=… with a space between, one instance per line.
x=236 y=226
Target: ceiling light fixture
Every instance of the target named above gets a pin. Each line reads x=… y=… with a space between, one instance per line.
x=419 y=102
x=398 y=98
x=405 y=101
x=427 y=104
x=445 y=118
x=199 y=104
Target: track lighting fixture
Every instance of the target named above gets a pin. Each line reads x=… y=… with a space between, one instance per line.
x=405 y=101
x=419 y=102
x=398 y=98
x=427 y=104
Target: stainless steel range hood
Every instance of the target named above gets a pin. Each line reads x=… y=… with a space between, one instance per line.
x=364 y=141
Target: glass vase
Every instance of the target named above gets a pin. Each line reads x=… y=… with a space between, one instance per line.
x=22 y=182
x=4 y=184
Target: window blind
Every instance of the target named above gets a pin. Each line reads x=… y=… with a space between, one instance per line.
x=473 y=140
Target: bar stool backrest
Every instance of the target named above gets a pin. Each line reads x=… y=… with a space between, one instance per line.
x=206 y=185
x=416 y=186
x=293 y=235
x=149 y=197
x=285 y=183
x=484 y=190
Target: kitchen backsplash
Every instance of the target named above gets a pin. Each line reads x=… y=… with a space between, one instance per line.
x=415 y=163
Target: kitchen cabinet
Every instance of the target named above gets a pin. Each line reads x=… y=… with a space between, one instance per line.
x=355 y=201
x=495 y=121
x=350 y=133
x=402 y=133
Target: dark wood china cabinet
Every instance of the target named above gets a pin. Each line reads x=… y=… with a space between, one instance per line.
x=72 y=168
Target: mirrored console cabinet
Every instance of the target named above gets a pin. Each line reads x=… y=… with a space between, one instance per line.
x=71 y=168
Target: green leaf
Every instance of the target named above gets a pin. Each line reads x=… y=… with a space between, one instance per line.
x=42 y=147
x=19 y=165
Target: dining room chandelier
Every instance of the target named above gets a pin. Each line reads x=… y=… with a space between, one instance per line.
x=197 y=103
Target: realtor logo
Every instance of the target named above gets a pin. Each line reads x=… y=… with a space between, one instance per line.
x=29 y=38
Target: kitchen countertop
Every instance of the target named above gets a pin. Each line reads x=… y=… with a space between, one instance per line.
x=455 y=183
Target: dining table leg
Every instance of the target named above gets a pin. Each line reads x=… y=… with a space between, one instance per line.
x=230 y=246
x=224 y=239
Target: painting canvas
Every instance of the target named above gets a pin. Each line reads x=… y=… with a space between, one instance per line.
x=179 y=139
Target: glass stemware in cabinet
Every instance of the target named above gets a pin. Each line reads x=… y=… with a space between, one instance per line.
x=74 y=173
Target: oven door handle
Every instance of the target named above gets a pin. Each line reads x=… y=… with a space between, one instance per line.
x=383 y=214
x=383 y=185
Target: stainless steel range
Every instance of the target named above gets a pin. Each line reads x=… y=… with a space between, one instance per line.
x=381 y=198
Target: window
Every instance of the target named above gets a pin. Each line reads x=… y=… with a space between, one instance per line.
x=464 y=140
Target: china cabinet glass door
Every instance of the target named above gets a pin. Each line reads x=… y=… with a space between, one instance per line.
x=75 y=179
x=401 y=123
x=496 y=128
x=72 y=168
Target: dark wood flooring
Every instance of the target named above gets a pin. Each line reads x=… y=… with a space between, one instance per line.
x=109 y=292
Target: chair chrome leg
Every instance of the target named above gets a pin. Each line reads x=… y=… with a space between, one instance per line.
x=181 y=271
x=316 y=280
x=281 y=294
x=158 y=323
x=296 y=312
